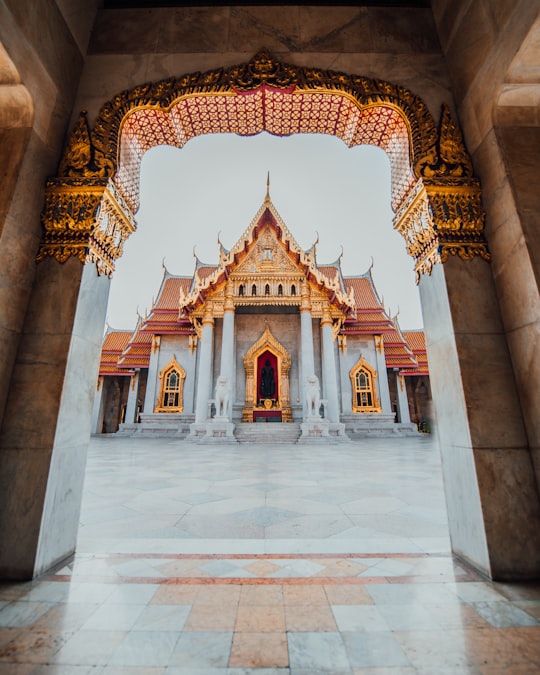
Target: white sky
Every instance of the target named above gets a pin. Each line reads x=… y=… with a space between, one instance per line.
x=218 y=182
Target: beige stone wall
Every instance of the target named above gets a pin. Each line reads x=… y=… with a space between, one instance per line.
x=46 y=64
x=492 y=51
x=130 y=47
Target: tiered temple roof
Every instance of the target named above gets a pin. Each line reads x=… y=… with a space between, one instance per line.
x=114 y=344
x=178 y=296
x=416 y=339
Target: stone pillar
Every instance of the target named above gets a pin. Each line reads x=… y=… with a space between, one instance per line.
x=491 y=495
x=306 y=331
x=227 y=345
x=382 y=375
x=47 y=425
x=205 y=366
x=329 y=368
x=402 y=400
x=133 y=396
x=152 y=379
x=97 y=411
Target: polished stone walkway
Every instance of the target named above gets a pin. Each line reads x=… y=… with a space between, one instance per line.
x=287 y=559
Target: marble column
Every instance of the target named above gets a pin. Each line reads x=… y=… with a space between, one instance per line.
x=306 y=334
x=490 y=488
x=152 y=380
x=402 y=400
x=227 y=344
x=384 y=390
x=47 y=425
x=205 y=366
x=329 y=368
x=97 y=410
x=133 y=396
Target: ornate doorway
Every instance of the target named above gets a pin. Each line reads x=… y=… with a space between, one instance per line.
x=267 y=365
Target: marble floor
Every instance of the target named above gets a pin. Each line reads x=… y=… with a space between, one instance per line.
x=298 y=560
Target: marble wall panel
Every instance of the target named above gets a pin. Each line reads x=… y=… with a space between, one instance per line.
x=23 y=480
x=526 y=341
x=60 y=520
x=511 y=512
x=177 y=347
x=79 y=17
x=37 y=380
x=464 y=508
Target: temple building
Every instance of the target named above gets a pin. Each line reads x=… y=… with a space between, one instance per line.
x=266 y=335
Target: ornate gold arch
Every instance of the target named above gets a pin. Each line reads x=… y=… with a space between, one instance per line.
x=375 y=406
x=437 y=205
x=267 y=342
x=161 y=406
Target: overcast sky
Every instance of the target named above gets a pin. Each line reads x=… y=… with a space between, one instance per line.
x=217 y=183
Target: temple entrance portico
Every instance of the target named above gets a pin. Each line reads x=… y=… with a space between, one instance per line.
x=436 y=198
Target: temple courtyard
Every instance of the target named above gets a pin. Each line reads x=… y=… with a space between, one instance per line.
x=233 y=559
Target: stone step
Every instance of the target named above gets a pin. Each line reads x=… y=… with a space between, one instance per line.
x=272 y=432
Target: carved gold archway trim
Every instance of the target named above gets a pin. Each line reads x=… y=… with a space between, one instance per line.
x=362 y=364
x=441 y=215
x=160 y=405
x=267 y=342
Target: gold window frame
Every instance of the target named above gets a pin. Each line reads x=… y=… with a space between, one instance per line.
x=359 y=366
x=172 y=366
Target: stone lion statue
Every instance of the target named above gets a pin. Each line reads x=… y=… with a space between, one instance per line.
x=312 y=394
x=222 y=396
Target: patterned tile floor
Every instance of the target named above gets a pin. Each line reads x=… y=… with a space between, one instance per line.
x=298 y=560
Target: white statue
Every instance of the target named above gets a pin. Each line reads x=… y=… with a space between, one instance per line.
x=222 y=396
x=312 y=393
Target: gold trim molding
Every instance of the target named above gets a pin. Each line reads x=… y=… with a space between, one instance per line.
x=86 y=219
x=442 y=220
x=441 y=216
x=267 y=342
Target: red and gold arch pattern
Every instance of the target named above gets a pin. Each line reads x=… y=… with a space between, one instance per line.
x=277 y=111
x=435 y=196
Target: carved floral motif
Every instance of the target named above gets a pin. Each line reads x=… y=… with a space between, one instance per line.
x=438 y=210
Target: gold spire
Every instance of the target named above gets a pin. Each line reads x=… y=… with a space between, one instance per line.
x=267 y=198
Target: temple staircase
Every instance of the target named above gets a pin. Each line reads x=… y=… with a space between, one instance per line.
x=267 y=433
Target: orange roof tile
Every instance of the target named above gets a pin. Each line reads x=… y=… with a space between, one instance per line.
x=329 y=271
x=365 y=294
x=205 y=271
x=416 y=340
x=169 y=293
x=113 y=345
x=116 y=340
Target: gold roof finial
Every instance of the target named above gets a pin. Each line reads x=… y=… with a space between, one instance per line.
x=267 y=198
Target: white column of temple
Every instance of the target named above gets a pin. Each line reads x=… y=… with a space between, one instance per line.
x=97 y=411
x=227 y=344
x=306 y=331
x=384 y=390
x=133 y=394
x=329 y=368
x=402 y=400
x=153 y=377
x=205 y=366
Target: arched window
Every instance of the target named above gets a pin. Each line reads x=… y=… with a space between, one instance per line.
x=293 y=290
x=241 y=290
x=364 y=391
x=171 y=385
x=254 y=290
x=280 y=289
x=267 y=289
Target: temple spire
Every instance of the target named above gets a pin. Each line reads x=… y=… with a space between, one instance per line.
x=267 y=198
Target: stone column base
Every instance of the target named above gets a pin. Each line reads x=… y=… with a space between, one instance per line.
x=216 y=430
x=317 y=429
